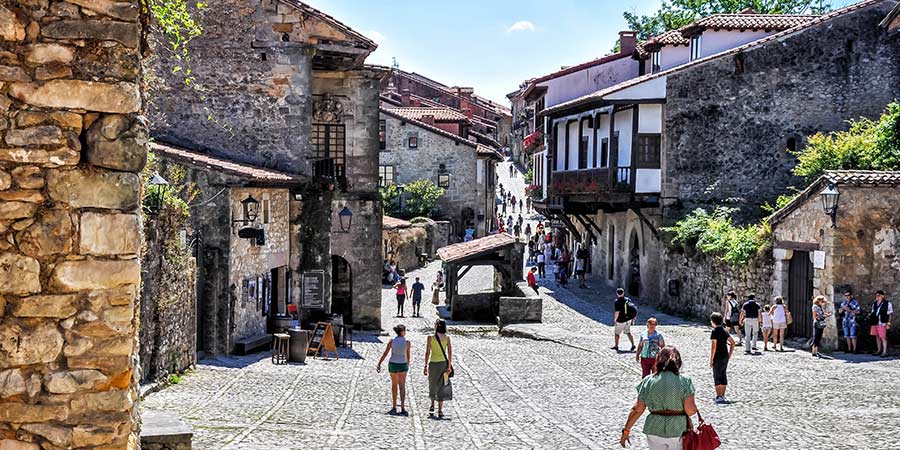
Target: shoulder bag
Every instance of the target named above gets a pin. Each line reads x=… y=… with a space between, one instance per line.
x=703 y=438
x=441 y=346
x=787 y=315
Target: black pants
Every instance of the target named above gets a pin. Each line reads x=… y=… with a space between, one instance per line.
x=400 y=300
x=720 y=367
x=817 y=336
x=541 y=272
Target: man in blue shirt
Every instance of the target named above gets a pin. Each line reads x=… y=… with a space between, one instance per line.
x=850 y=308
x=417 y=289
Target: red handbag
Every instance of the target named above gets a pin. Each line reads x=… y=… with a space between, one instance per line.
x=703 y=438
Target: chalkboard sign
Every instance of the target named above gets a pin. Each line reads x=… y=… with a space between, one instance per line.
x=322 y=339
x=313 y=289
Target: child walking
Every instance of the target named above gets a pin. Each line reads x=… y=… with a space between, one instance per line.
x=767 y=327
x=398 y=366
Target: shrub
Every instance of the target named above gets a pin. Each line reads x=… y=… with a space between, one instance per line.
x=715 y=234
x=867 y=145
x=420 y=198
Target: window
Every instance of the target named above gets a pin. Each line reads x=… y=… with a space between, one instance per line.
x=265 y=208
x=413 y=141
x=386 y=175
x=654 y=61
x=583 y=152
x=695 y=46
x=382 y=134
x=329 y=150
x=792 y=144
x=648 y=151
x=604 y=152
x=444 y=180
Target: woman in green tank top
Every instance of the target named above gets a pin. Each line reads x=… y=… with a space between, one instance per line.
x=438 y=367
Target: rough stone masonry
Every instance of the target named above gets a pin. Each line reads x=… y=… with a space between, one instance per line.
x=71 y=145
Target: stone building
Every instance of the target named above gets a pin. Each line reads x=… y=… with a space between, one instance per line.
x=857 y=249
x=283 y=90
x=432 y=144
x=715 y=129
x=488 y=117
x=71 y=146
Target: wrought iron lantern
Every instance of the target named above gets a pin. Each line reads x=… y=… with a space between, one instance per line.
x=444 y=180
x=346 y=219
x=157 y=190
x=250 y=206
x=830 y=198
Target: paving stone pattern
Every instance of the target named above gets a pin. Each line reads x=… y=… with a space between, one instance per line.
x=517 y=393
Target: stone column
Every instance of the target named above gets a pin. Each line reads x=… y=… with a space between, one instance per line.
x=70 y=223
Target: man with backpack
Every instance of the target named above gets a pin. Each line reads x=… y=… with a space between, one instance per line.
x=733 y=316
x=625 y=313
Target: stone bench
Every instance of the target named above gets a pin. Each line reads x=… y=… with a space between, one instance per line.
x=251 y=344
x=162 y=431
x=526 y=307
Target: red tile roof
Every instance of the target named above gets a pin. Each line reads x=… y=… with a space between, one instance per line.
x=671 y=37
x=441 y=114
x=487 y=139
x=751 y=21
x=389 y=223
x=364 y=41
x=859 y=178
x=459 y=139
x=476 y=247
x=598 y=95
x=481 y=101
x=245 y=171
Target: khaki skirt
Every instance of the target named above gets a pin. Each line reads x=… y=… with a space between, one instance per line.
x=437 y=390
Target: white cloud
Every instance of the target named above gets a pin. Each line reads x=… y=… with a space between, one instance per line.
x=376 y=36
x=522 y=25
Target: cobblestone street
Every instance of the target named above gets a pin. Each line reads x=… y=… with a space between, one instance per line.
x=519 y=393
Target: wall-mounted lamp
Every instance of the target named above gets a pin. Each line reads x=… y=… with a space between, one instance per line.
x=346 y=219
x=250 y=208
x=157 y=190
x=830 y=198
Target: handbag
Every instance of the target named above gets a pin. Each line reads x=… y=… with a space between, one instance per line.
x=703 y=438
x=788 y=316
x=441 y=345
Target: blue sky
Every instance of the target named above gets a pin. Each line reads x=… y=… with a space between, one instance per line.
x=491 y=45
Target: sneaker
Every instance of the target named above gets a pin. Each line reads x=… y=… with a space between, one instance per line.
x=721 y=401
x=404 y=413
x=392 y=412
x=740 y=343
x=755 y=349
x=632 y=348
x=615 y=347
x=748 y=352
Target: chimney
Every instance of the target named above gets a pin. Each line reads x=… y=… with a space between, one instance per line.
x=468 y=112
x=627 y=41
x=404 y=97
x=428 y=119
x=464 y=92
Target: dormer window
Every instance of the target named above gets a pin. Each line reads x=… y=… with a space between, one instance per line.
x=695 y=47
x=654 y=61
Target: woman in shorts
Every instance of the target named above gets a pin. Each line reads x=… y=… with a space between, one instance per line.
x=398 y=366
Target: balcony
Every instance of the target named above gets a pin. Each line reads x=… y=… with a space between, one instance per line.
x=533 y=141
x=592 y=181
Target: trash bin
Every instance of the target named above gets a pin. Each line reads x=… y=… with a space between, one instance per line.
x=299 y=344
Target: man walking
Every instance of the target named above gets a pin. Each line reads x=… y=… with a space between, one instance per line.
x=622 y=318
x=541 y=263
x=722 y=347
x=532 y=282
x=882 y=311
x=751 y=319
x=732 y=316
x=417 y=289
x=850 y=308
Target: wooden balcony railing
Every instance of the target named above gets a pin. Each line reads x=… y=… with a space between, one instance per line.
x=591 y=181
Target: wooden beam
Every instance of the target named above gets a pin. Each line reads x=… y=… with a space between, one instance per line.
x=589 y=220
x=586 y=227
x=647 y=222
x=799 y=246
x=464 y=272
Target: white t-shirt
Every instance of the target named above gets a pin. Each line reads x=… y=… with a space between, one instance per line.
x=579 y=264
x=540 y=258
x=778 y=314
x=767 y=319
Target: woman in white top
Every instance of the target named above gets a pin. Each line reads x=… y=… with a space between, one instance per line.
x=779 y=314
x=398 y=366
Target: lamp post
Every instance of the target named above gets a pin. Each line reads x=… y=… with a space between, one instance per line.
x=830 y=198
x=346 y=219
x=157 y=187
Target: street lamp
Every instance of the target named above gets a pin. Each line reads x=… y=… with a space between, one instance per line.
x=251 y=209
x=346 y=218
x=157 y=187
x=829 y=198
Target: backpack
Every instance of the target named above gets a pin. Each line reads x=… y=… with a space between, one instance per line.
x=735 y=311
x=630 y=310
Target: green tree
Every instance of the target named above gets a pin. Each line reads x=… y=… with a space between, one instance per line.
x=389 y=196
x=674 y=14
x=866 y=145
x=420 y=198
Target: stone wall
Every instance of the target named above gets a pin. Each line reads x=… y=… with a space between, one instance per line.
x=361 y=248
x=71 y=144
x=248 y=261
x=727 y=129
x=704 y=280
x=423 y=162
x=404 y=243
x=168 y=328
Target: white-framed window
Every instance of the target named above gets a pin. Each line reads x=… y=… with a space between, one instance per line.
x=266 y=205
x=696 y=46
x=386 y=175
x=654 y=61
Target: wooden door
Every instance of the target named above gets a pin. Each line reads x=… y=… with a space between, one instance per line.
x=800 y=294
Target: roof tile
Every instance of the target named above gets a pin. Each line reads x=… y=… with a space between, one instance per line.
x=476 y=247
x=417 y=113
x=246 y=171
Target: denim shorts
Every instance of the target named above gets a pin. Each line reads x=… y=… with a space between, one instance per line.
x=849 y=328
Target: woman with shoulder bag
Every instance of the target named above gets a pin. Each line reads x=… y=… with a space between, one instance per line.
x=670 y=398
x=779 y=323
x=819 y=316
x=439 y=368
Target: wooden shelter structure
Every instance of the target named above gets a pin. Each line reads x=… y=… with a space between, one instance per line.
x=501 y=251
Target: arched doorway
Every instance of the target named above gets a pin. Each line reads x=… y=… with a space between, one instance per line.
x=634 y=265
x=341 y=288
